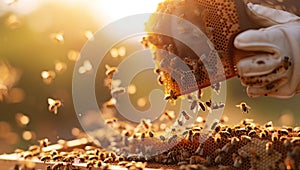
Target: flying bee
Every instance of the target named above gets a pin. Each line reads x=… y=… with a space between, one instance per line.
x=190 y=97
x=193 y=105
x=180 y=122
x=244 y=107
x=151 y=134
x=54 y=105
x=202 y=105
x=216 y=87
x=111 y=121
x=116 y=92
x=199 y=94
x=110 y=70
x=185 y=115
x=208 y=103
x=218 y=105
x=146 y=124
x=171 y=96
x=170 y=115
x=214 y=124
x=160 y=80
x=163 y=138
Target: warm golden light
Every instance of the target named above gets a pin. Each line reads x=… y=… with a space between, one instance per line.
x=116 y=9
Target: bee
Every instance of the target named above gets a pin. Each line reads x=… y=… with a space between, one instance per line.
x=202 y=105
x=117 y=91
x=143 y=136
x=199 y=94
x=44 y=142
x=226 y=147
x=151 y=134
x=295 y=140
x=199 y=150
x=214 y=124
x=234 y=140
x=160 y=80
x=284 y=132
x=110 y=70
x=53 y=152
x=274 y=137
x=111 y=121
x=46 y=158
x=185 y=132
x=90 y=164
x=169 y=115
x=171 y=96
x=193 y=105
x=269 y=148
x=98 y=163
x=27 y=155
x=269 y=124
x=286 y=62
x=33 y=148
x=185 y=115
x=218 y=159
x=190 y=97
x=262 y=134
x=217 y=138
x=19 y=151
x=208 y=103
x=244 y=107
x=252 y=133
x=216 y=87
x=218 y=106
x=146 y=124
x=108 y=160
x=172 y=138
x=57 y=166
x=246 y=138
x=243 y=153
x=163 y=138
x=54 y=105
x=180 y=122
x=237 y=162
x=57 y=158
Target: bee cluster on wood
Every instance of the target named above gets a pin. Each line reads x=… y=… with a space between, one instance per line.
x=246 y=145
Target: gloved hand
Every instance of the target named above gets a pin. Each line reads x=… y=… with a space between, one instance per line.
x=276 y=70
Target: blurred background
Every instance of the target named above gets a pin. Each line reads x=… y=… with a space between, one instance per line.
x=40 y=42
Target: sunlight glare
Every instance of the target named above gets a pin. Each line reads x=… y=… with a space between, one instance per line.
x=111 y=10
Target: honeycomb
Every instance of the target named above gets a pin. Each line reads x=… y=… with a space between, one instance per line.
x=220 y=21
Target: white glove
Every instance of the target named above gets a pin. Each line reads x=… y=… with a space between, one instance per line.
x=276 y=71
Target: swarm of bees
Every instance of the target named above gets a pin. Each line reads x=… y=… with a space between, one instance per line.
x=246 y=145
